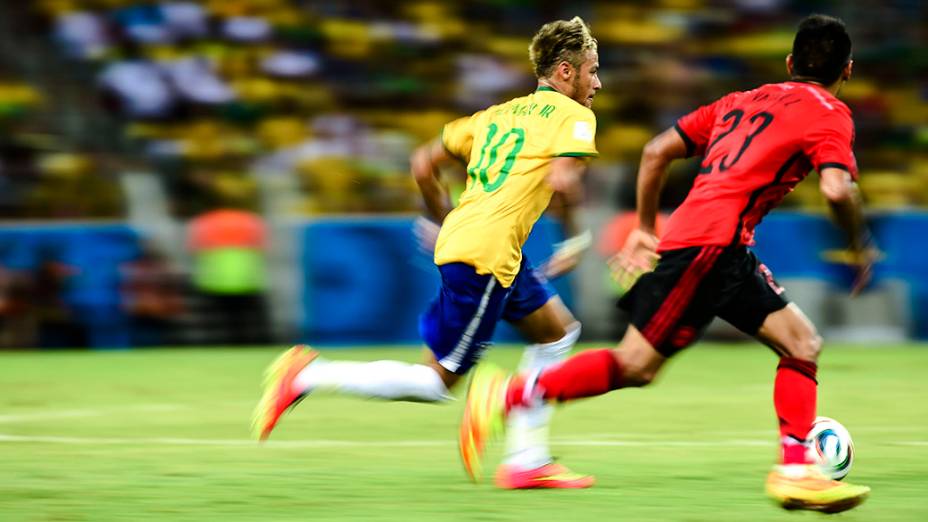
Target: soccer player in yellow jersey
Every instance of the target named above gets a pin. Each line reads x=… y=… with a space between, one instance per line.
x=517 y=155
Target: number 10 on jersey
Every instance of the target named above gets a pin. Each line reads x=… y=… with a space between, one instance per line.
x=480 y=171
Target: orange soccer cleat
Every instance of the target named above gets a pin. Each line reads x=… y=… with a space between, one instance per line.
x=280 y=394
x=484 y=416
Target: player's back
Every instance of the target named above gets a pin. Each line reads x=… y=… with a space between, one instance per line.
x=508 y=149
x=756 y=146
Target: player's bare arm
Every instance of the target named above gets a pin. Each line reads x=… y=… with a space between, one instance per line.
x=656 y=156
x=640 y=250
x=844 y=199
x=425 y=163
x=567 y=178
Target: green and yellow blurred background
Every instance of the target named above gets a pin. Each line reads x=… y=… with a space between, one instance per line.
x=125 y=122
x=214 y=96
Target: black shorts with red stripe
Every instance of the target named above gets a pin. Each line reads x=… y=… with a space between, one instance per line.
x=672 y=305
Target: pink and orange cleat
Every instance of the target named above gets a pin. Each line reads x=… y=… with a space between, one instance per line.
x=280 y=393
x=549 y=476
x=484 y=418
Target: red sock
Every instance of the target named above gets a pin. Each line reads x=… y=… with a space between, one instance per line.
x=589 y=373
x=794 y=397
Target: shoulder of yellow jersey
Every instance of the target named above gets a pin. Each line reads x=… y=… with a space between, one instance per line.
x=576 y=129
x=457 y=136
x=568 y=128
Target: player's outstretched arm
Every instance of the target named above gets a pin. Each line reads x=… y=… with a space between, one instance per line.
x=567 y=253
x=425 y=163
x=566 y=178
x=640 y=250
x=656 y=156
x=847 y=208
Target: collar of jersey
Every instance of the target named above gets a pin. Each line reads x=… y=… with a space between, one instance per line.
x=545 y=88
x=813 y=84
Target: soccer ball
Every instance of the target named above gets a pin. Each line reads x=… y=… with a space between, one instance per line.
x=831 y=447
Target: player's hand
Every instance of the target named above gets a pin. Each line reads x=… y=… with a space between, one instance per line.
x=863 y=264
x=426 y=232
x=567 y=255
x=861 y=261
x=638 y=255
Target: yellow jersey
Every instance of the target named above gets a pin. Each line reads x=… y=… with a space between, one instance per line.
x=508 y=149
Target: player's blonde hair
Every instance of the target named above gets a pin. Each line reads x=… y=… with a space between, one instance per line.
x=561 y=40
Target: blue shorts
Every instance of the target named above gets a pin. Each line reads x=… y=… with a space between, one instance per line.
x=459 y=323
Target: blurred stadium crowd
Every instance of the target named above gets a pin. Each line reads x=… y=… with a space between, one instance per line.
x=216 y=93
x=305 y=107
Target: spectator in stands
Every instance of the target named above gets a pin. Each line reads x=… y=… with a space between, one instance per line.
x=152 y=297
x=185 y=20
x=136 y=88
x=17 y=324
x=143 y=23
x=82 y=35
x=57 y=325
x=194 y=79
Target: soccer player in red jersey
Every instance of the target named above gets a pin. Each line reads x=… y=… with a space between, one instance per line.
x=756 y=146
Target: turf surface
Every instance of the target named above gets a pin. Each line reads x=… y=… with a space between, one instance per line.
x=163 y=435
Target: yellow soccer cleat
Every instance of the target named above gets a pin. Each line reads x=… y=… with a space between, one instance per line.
x=484 y=416
x=804 y=486
x=280 y=394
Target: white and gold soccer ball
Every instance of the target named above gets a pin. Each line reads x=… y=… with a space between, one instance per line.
x=831 y=447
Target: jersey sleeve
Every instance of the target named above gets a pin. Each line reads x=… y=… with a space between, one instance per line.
x=829 y=142
x=696 y=128
x=458 y=136
x=576 y=135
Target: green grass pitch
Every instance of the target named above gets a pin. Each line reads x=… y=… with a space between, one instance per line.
x=163 y=435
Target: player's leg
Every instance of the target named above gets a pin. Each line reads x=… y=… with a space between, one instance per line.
x=669 y=307
x=634 y=363
x=793 y=337
x=493 y=397
x=797 y=483
x=551 y=330
x=545 y=322
x=760 y=309
x=300 y=370
x=457 y=327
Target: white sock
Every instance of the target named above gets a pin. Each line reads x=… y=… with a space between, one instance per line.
x=527 y=428
x=388 y=380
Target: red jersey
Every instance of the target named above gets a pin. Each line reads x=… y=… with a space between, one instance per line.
x=756 y=146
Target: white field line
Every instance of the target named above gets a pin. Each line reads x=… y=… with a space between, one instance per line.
x=853 y=429
x=327 y=443
x=41 y=415
x=324 y=443
x=38 y=415
x=613 y=439
x=772 y=432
